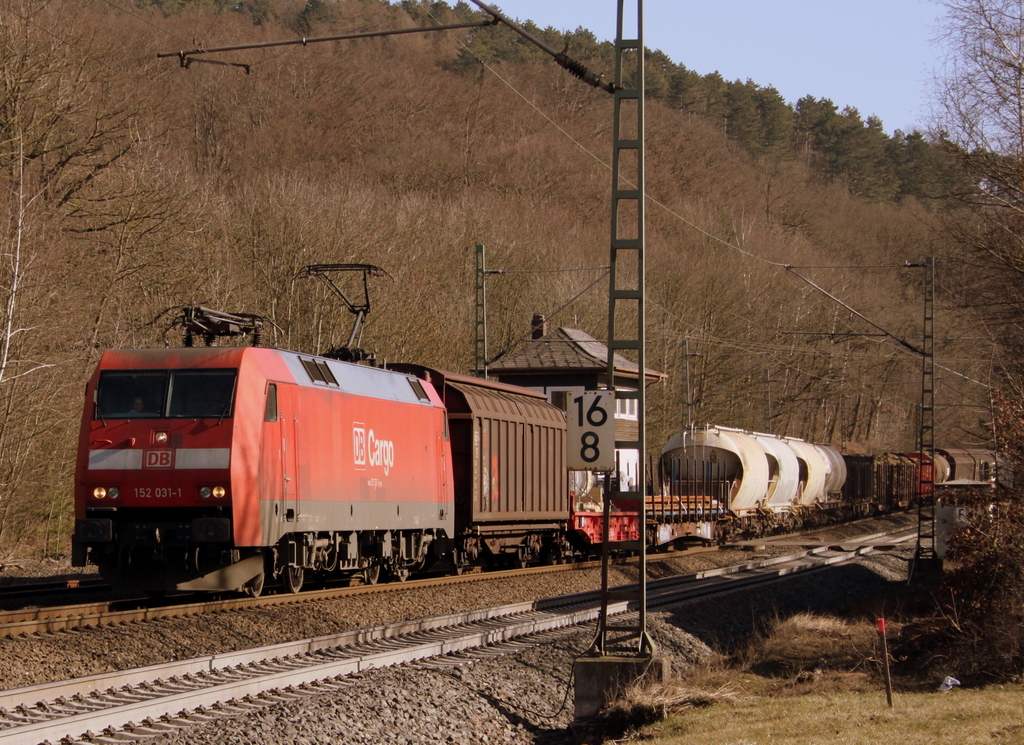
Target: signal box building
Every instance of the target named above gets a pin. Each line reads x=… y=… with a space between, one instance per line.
x=564 y=362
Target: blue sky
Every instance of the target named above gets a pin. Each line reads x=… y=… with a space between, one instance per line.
x=875 y=55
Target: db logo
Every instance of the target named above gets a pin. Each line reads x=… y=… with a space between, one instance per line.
x=359 y=445
x=158 y=459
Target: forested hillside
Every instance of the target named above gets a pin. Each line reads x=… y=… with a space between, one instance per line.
x=134 y=186
x=840 y=146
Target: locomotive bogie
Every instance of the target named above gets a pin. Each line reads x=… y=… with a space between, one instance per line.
x=363 y=556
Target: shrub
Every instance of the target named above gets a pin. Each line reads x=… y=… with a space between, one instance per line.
x=982 y=594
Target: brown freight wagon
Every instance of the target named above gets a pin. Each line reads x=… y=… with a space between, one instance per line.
x=510 y=469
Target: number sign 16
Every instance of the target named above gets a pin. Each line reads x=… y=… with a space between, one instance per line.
x=592 y=431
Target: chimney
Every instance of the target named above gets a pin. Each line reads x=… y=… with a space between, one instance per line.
x=538 y=326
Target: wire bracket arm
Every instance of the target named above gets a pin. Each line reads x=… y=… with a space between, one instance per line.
x=576 y=68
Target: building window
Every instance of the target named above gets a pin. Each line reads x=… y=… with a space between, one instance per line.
x=625 y=408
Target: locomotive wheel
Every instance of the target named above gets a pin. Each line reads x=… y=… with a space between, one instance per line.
x=254 y=587
x=293 y=577
x=371 y=575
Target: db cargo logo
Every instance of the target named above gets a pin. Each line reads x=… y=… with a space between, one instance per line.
x=366 y=446
x=359 y=445
x=158 y=459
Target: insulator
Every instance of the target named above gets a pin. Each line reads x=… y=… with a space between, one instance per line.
x=579 y=70
x=573 y=66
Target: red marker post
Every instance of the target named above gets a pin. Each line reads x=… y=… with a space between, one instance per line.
x=885 y=661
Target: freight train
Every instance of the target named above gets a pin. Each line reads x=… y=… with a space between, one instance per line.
x=736 y=483
x=222 y=469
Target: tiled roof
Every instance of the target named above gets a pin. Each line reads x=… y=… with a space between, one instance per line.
x=565 y=349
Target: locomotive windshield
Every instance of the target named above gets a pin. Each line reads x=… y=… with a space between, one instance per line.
x=163 y=394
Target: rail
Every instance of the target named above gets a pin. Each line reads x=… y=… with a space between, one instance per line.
x=41 y=620
x=35 y=620
x=51 y=587
x=174 y=695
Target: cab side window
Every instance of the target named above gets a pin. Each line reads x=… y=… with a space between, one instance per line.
x=270 y=412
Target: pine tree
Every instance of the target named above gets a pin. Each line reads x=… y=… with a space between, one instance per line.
x=776 y=122
x=743 y=121
x=315 y=13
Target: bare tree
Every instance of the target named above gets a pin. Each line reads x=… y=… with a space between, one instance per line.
x=980 y=119
x=982 y=92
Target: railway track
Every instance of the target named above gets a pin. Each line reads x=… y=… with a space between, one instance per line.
x=36 y=620
x=141 y=703
x=41 y=620
x=50 y=588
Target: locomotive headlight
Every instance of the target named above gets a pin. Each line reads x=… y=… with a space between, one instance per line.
x=205 y=492
x=113 y=492
x=160 y=438
x=99 y=492
x=219 y=492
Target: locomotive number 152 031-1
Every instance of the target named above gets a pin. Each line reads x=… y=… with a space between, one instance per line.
x=157 y=492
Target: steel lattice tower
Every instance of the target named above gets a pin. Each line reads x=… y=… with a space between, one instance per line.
x=481 y=313
x=925 y=553
x=626 y=317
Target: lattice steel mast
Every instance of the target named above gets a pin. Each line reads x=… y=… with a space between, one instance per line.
x=626 y=317
x=925 y=553
x=480 y=368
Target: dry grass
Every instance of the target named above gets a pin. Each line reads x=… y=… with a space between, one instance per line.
x=961 y=717
x=812 y=680
x=810 y=645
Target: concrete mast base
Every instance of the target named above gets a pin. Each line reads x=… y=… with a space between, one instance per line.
x=601 y=680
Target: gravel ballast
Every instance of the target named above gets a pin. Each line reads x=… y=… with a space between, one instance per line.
x=526 y=698
x=511 y=699
x=523 y=698
x=65 y=655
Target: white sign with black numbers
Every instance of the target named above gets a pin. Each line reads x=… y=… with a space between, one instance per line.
x=591 y=418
